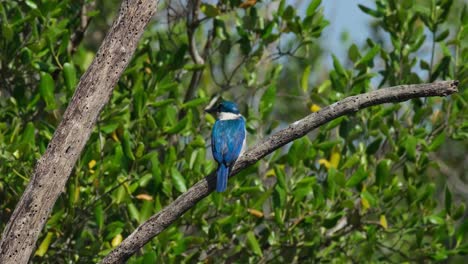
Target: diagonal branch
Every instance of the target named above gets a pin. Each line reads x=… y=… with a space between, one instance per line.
x=160 y=221
x=92 y=93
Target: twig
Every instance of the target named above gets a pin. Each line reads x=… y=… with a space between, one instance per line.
x=192 y=24
x=77 y=37
x=157 y=223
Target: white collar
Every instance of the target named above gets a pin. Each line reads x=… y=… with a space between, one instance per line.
x=228 y=116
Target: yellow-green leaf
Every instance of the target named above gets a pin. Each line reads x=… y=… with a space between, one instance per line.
x=117 y=240
x=383 y=222
x=365 y=203
x=42 y=250
x=209 y=10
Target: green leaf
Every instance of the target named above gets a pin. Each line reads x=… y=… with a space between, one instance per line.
x=338 y=67
x=126 y=144
x=424 y=65
x=222 y=34
x=357 y=177
x=194 y=67
x=252 y=243
x=312 y=7
x=437 y=142
x=31 y=4
x=179 y=126
x=267 y=101
x=195 y=102
x=114 y=229
x=162 y=103
x=459 y=212
x=99 y=214
x=209 y=10
x=442 y=35
x=369 y=198
x=139 y=98
x=369 y=56
x=374 y=146
x=436 y=220
x=279 y=197
x=462 y=231
x=269 y=29
x=331 y=183
x=369 y=11
x=441 y=69
x=410 y=146
x=46 y=89
x=178 y=180
x=69 y=75
x=140 y=149
x=289 y=13
x=464 y=14
x=331 y=220
x=109 y=128
x=146 y=211
x=382 y=172
x=305 y=79
x=326 y=145
x=353 y=53
x=133 y=212
x=281 y=177
x=281 y=7
x=324 y=86
x=28 y=136
x=7 y=31
x=351 y=161
x=150 y=258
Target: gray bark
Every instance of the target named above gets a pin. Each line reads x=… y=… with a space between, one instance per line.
x=160 y=221
x=92 y=93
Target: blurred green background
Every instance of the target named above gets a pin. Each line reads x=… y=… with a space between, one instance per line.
x=387 y=184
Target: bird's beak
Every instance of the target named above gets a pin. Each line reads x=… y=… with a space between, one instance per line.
x=211 y=107
x=210 y=110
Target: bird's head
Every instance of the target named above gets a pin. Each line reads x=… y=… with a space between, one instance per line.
x=228 y=107
x=223 y=107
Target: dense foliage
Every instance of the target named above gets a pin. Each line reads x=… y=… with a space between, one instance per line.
x=384 y=184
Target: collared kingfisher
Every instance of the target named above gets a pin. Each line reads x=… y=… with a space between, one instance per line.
x=227 y=139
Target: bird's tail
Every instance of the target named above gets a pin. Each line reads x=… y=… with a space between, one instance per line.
x=222 y=179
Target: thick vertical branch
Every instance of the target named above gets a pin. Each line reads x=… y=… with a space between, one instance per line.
x=53 y=169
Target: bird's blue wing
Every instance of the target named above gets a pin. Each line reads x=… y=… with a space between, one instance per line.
x=227 y=139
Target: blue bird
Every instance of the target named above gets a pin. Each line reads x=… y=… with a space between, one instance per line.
x=227 y=139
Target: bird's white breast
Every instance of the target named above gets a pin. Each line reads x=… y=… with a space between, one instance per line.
x=228 y=116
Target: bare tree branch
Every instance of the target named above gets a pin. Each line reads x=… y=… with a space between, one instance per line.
x=53 y=169
x=78 y=35
x=192 y=24
x=160 y=221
